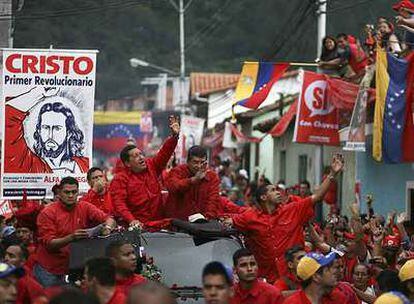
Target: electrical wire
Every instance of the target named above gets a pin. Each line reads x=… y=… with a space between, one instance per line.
x=345 y=7
x=287 y=40
x=199 y=35
x=73 y=12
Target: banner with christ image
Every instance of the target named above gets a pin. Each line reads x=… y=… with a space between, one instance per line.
x=47 y=103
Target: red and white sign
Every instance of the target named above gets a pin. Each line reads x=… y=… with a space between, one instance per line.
x=316 y=118
x=6 y=209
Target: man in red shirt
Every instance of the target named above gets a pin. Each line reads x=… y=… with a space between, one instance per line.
x=125 y=260
x=250 y=289
x=28 y=289
x=289 y=283
x=135 y=189
x=99 y=278
x=317 y=273
x=274 y=227
x=192 y=187
x=98 y=195
x=217 y=283
x=8 y=282
x=61 y=223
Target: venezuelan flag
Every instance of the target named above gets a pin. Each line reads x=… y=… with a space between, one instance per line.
x=390 y=107
x=256 y=80
x=113 y=129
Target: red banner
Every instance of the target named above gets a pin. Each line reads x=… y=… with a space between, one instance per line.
x=316 y=118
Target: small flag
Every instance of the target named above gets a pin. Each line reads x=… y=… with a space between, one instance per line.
x=256 y=80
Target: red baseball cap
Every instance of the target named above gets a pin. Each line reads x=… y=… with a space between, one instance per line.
x=403 y=4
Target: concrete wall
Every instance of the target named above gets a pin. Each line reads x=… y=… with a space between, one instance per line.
x=387 y=182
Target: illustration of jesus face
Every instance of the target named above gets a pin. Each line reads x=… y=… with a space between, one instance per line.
x=53 y=133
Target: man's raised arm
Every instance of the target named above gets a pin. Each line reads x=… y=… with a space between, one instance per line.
x=336 y=167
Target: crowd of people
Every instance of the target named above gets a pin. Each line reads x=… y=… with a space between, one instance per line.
x=286 y=256
x=347 y=57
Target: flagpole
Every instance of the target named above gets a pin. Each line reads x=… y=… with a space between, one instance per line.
x=290 y=63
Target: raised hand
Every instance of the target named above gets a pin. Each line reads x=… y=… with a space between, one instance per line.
x=337 y=164
x=174 y=124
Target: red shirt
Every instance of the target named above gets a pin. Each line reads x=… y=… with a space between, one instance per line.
x=260 y=293
x=17 y=155
x=138 y=195
x=299 y=297
x=270 y=235
x=28 y=290
x=186 y=198
x=287 y=282
x=118 y=297
x=125 y=284
x=228 y=207
x=348 y=292
x=56 y=221
x=100 y=201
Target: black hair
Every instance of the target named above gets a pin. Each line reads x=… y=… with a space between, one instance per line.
x=69 y=180
x=217 y=268
x=91 y=171
x=289 y=254
x=55 y=189
x=103 y=269
x=388 y=280
x=305 y=182
x=113 y=247
x=325 y=52
x=24 y=254
x=241 y=253
x=124 y=155
x=196 y=151
x=342 y=35
x=260 y=191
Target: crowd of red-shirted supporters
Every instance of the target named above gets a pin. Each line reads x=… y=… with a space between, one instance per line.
x=286 y=257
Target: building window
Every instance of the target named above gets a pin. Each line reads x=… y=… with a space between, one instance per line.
x=282 y=165
x=303 y=167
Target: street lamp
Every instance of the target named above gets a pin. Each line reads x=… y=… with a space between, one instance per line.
x=135 y=63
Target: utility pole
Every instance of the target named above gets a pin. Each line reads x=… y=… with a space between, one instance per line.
x=321 y=13
x=181 y=12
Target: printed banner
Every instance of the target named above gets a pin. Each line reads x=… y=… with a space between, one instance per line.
x=146 y=125
x=316 y=118
x=356 y=133
x=191 y=134
x=48 y=101
x=6 y=209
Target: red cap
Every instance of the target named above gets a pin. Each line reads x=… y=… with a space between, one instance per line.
x=403 y=4
x=391 y=241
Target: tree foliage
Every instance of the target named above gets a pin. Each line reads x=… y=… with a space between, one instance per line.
x=220 y=34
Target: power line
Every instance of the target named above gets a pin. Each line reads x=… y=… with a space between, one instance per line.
x=288 y=35
x=73 y=12
x=196 y=38
x=345 y=7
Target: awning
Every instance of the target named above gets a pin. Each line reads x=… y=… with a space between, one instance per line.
x=280 y=128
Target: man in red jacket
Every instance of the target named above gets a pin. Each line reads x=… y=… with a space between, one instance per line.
x=274 y=227
x=98 y=195
x=99 y=277
x=250 y=289
x=28 y=289
x=135 y=189
x=61 y=223
x=125 y=260
x=192 y=187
